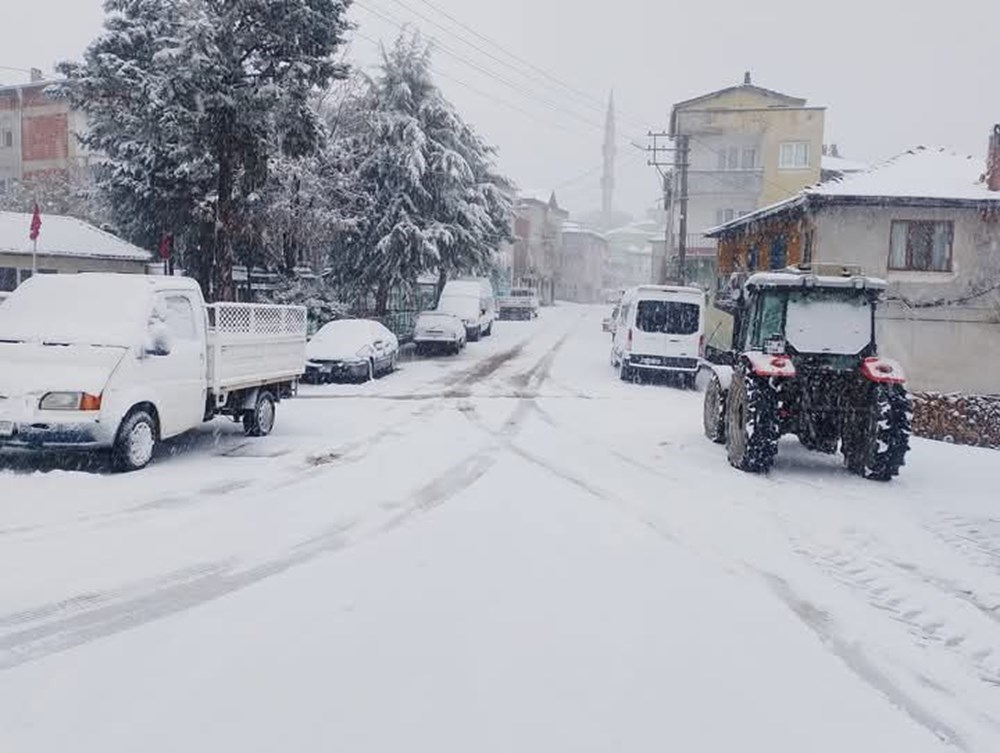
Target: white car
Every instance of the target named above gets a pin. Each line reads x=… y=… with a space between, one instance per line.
x=659 y=329
x=351 y=350
x=438 y=330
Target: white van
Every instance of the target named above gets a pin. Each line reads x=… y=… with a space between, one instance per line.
x=473 y=302
x=659 y=329
x=119 y=362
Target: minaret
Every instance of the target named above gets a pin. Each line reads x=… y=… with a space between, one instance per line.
x=608 y=179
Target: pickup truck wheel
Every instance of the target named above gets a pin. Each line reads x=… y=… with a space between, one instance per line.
x=259 y=421
x=136 y=442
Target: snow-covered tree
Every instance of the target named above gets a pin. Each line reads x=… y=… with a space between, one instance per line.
x=428 y=198
x=192 y=101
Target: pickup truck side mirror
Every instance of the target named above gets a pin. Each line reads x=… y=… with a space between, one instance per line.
x=158 y=340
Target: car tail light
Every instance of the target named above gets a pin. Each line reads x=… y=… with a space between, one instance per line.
x=701 y=346
x=629 y=341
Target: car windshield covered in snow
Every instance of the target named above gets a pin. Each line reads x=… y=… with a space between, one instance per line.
x=667 y=317
x=105 y=311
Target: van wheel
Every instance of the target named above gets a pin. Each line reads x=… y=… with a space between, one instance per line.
x=259 y=421
x=136 y=442
x=474 y=335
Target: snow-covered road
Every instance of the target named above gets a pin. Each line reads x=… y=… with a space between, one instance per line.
x=507 y=551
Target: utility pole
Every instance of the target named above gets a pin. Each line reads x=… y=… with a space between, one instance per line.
x=659 y=272
x=683 y=153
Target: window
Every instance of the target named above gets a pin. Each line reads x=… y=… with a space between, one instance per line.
x=668 y=317
x=921 y=246
x=8 y=279
x=6 y=139
x=735 y=158
x=793 y=155
x=180 y=318
x=25 y=274
x=722 y=216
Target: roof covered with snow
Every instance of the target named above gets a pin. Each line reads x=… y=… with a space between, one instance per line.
x=841 y=165
x=65 y=236
x=921 y=175
x=577 y=228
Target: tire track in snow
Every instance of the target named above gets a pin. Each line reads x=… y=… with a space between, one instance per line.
x=857 y=661
x=49 y=629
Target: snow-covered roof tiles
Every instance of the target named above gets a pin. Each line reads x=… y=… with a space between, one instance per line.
x=65 y=236
x=921 y=174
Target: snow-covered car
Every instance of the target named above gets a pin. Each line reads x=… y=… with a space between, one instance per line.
x=351 y=350
x=120 y=362
x=438 y=331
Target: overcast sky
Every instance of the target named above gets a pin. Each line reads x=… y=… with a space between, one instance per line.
x=893 y=73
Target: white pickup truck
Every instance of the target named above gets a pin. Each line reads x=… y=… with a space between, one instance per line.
x=519 y=303
x=120 y=362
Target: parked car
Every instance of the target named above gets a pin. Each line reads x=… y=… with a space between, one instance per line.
x=438 y=331
x=660 y=329
x=520 y=303
x=138 y=360
x=351 y=350
x=473 y=302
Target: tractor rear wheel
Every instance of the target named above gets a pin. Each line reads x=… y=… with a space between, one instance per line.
x=875 y=446
x=752 y=429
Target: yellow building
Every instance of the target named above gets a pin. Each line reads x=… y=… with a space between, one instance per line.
x=749 y=147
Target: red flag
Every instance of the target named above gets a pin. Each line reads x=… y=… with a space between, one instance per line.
x=166 y=246
x=36 y=224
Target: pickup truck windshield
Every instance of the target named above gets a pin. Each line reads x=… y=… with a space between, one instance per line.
x=101 y=311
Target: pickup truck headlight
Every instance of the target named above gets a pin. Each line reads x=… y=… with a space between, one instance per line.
x=80 y=401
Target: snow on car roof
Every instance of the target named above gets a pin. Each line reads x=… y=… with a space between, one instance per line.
x=65 y=236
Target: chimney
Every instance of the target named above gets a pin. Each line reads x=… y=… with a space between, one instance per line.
x=993 y=160
x=36 y=75
x=746 y=79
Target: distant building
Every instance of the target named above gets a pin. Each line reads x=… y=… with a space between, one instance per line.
x=834 y=167
x=582 y=261
x=629 y=252
x=749 y=147
x=65 y=245
x=535 y=252
x=37 y=134
x=927 y=222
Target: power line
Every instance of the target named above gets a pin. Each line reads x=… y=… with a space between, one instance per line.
x=519 y=89
x=486 y=95
x=592 y=101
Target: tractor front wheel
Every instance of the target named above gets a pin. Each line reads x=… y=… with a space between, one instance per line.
x=714 y=415
x=752 y=429
x=876 y=445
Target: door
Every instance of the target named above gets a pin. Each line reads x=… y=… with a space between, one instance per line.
x=383 y=345
x=668 y=328
x=177 y=378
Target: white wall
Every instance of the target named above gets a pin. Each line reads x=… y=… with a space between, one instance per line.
x=947 y=348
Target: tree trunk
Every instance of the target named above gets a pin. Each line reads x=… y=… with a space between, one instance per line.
x=206 y=251
x=382 y=299
x=442 y=281
x=224 y=290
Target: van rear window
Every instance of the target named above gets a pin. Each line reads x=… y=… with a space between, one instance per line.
x=667 y=317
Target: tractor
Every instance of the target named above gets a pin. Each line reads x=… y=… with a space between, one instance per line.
x=804 y=361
